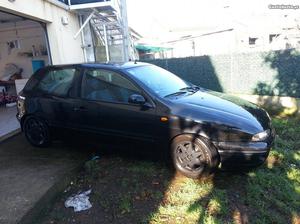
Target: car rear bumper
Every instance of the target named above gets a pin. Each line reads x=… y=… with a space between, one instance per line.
x=18 y=117
x=244 y=153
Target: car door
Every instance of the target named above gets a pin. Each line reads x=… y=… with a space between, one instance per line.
x=105 y=108
x=55 y=96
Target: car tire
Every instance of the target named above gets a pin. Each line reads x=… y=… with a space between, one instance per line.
x=194 y=156
x=36 y=132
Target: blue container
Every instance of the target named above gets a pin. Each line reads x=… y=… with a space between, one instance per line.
x=37 y=64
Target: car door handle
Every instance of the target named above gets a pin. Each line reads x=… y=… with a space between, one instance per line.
x=81 y=108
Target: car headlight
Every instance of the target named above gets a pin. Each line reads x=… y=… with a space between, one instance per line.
x=261 y=136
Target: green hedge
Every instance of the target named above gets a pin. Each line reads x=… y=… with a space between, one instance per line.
x=267 y=73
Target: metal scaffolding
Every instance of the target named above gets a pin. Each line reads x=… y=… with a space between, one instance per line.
x=108 y=22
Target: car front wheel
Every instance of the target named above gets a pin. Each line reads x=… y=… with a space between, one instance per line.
x=36 y=132
x=193 y=156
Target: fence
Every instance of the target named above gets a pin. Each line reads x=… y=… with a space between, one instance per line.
x=263 y=73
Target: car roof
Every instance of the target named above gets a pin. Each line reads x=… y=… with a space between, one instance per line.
x=109 y=65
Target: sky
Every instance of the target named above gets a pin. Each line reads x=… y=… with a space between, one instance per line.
x=165 y=19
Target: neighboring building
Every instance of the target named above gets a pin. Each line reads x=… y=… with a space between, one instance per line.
x=238 y=37
x=216 y=42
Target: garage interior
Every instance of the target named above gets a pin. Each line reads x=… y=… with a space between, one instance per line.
x=23 y=50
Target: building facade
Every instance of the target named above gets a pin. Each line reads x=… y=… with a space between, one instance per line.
x=73 y=28
x=258 y=34
x=60 y=37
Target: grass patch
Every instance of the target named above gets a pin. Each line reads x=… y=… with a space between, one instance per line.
x=142 y=168
x=273 y=191
x=126 y=191
x=125 y=204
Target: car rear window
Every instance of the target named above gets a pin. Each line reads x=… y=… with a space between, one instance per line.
x=57 y=81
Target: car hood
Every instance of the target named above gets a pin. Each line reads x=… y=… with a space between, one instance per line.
x=223 y=109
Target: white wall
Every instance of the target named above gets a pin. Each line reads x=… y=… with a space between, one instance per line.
x=235 y=41
x=218 y=43
x=28 y=34
x=64 y=48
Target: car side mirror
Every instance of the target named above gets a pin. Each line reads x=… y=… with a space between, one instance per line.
x=137 y=99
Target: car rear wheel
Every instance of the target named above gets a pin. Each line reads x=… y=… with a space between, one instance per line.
x=194 y=156
x=36 y=132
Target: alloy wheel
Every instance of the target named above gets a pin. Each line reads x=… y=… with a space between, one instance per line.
x=35 y=131
x=189 y=156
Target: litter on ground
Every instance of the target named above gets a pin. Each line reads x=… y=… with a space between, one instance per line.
x=79 y=202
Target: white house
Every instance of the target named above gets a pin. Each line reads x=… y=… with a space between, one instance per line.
x=260 y=33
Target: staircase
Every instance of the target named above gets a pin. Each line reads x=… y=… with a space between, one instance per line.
x=108 y=26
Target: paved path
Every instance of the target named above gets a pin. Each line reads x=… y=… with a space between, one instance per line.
x=8 y=121
x=27 y=173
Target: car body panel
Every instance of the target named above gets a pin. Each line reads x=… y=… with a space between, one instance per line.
x=118 y=119
x=204 y=106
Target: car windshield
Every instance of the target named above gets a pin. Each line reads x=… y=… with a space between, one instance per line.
x=159 y=80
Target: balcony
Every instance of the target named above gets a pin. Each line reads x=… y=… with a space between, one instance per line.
x=77 y=2
x=85 y=4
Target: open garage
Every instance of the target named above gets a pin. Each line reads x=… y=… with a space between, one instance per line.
x=23 y=50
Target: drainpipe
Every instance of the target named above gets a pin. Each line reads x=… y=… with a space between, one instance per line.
x=106 y=43
x=82 y=39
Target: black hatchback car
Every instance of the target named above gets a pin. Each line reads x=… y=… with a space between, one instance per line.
x=141 y=102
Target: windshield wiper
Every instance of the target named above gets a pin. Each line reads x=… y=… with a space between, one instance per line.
x=191 y=88
x=176 y=93
x=184 y=90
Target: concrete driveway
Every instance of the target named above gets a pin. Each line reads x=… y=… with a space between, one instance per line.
x=28 y=175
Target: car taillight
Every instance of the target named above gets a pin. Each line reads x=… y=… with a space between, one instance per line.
x=21 y=106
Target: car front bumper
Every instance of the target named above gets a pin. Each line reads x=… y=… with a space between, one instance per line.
x=244 y=153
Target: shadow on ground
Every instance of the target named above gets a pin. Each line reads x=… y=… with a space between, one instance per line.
x=142 y=189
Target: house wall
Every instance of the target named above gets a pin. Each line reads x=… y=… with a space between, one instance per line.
x=27 y=34
x=64 y=48
x=236 y=41
x=219 y=43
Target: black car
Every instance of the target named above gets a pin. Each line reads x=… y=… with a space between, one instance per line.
x=141 y=102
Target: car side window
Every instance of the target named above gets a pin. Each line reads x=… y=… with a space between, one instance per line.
x=105 y=85
x=57 y=81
